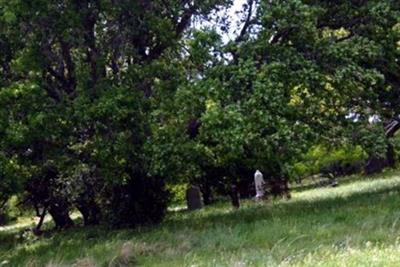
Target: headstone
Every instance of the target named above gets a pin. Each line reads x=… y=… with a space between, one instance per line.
x=259 y=184
x=193 y=198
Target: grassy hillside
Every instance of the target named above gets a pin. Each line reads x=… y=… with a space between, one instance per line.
x=355 y=224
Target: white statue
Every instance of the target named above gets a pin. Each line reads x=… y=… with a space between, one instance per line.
x=259 y=183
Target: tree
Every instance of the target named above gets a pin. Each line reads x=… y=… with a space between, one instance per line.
x=102 y=101
x=294 y=76
x=77 y=85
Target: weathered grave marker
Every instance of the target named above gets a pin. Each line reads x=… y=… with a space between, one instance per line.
x=193 y=198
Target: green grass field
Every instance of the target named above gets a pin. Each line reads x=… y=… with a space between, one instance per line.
x=355 y=224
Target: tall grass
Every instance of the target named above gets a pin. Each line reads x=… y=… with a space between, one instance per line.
x=356 y=224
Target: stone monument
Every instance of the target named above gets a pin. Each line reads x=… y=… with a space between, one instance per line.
x=193 y=198
x=259 y=184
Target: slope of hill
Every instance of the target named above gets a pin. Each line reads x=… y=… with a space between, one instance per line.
x=355 y=224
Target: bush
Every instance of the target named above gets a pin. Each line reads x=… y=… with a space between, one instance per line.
x=339 y=161
x=142 y=201
x=341 y=168
x=178 y=193
x=6 y=215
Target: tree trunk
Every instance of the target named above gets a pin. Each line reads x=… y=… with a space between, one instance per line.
x=374 y=165
x=38 y=229
x=390 y=156
x=390 y=130
x=207 y=194
x=234 y=194
x=90 y=212
x=60 y=214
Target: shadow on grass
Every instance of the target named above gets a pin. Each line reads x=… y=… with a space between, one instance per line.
x=253 y=212
x=73 y=243
x=323 y=181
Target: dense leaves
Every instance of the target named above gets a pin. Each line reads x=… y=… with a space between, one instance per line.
x=104 y=102
x=77 y=80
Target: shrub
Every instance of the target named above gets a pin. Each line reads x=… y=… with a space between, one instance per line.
x=143 y=200
x=9 y=211
x=344 y=160
x=178 y=193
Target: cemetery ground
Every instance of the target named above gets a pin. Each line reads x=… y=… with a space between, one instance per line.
x=355 y=224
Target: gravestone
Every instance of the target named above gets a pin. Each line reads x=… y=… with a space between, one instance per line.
x=259 y=185
x=193 y=198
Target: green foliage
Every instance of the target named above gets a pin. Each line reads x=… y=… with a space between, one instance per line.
x=289 y=85
x=142 y=201
x=178 y=193
x=80 y=82
x=373 y=140
x=320 y=157
x=106 y=95
x=396 y=145
x=11 y=211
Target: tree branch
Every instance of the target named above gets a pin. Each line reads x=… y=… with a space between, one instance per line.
x=180 y=27
x=247 y=23
x=70 y=80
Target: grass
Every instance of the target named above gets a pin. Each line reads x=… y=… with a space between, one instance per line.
x=355 y=224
